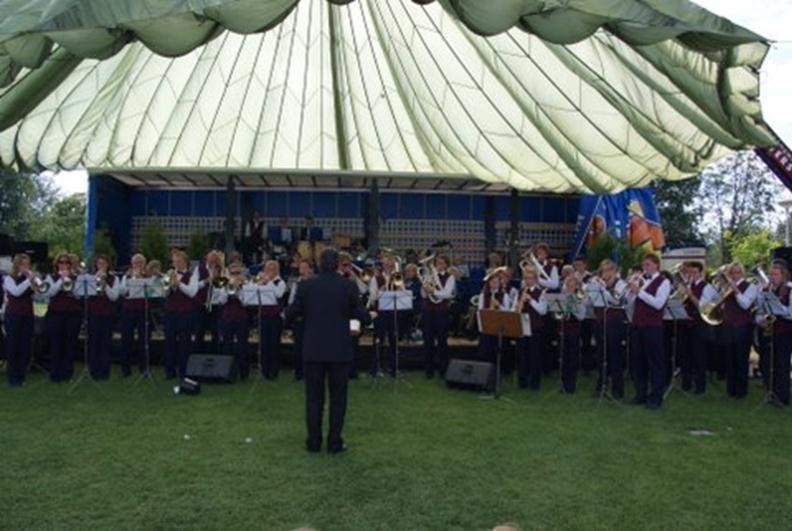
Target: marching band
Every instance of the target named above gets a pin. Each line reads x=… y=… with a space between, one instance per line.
x=650 y=325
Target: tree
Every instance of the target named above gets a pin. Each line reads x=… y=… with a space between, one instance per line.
x=199 y=244
x=754 y=247
x=675 y=202
x=153 y=243
x=103 y=245
x=23 y=197
x=62 y=225
x=737 y=196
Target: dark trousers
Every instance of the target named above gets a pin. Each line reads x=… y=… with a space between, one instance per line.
x=610 y=355
x=178 y=342
x=736 y=350
x=235 y=343
x=270 y=337
x=207 y=321
x=550 y=359
x=587 y=350
x=694 y=359
x=435 y=338
x=353 y=366
x=529 y=363
x=336 y=377
x=63 y=330
x=649 y=364
x=384 y=326
x=299 y=330
x=100 y=345
x=781 y=350
x=570 y=362
x=488 y=347
x=19 y=336
x=133 y=340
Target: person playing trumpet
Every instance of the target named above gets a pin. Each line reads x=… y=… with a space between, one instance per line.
x=271 y=325
x=211 y=273
x=18 y=288
x=64 y=318
x=178 y=315
x=694 y=363
x=233 y=321
x=736 y=333
x=101 y=313
x=384 y=324
x=609 y=327
x=569 y=330
x=436 y=293
x=532 y=302
x=775 y=359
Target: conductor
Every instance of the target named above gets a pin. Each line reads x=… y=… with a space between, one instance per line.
x=326 y=303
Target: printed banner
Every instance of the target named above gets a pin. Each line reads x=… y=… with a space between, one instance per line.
x=779 y=160
x=630 y=214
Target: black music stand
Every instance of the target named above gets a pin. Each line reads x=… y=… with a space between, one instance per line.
x=146 y=373
x=605 y=390
x=557 y=304
x=675 y=311
x=502 y=324
x=81 y=289
x=770 y=304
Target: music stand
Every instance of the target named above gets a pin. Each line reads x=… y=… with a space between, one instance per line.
x=598 y=292
x=84 y=286
x=557 y=304
x=148 y=290
x=502 y=324
x=675 y=311
x=256 y=295
x=395 y=302
x=770 y=304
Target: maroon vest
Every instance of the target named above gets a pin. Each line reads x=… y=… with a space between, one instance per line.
x=272 y=310
x=178 y=302
x=133 y=305
x=570 y=326
x=782 y=327
x=733 y=314
x=22 y=305
x=63 y=302
x=203 y=293
x=537 y=320
x=100 y=304
x=690 y=308
x=645 y=316
x=429 y=306
x=233 y=311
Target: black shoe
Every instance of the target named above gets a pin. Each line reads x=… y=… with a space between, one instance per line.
x=338 y=449
x=313 y=448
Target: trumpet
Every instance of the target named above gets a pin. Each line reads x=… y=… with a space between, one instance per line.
x=68 y=284
x=101 y=282
x=170 y=280
x=39 y=286
x=263 y=278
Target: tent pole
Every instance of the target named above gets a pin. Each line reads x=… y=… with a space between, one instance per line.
x=373 y=235
x=514 y=229
x=230 y=215
x=489 y=226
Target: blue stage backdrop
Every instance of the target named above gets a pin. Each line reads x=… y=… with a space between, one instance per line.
x=631 y=214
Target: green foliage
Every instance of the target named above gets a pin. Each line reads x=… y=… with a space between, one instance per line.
x=153 y=242
x=62 y=225
x=199 y=244
x=551 y=462
x=628 y=256
x=601 y=248
x=23 y=198
x=752 y=248
x=103 y=245
x=679 y=216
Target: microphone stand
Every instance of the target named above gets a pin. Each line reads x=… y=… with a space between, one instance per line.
x=86 y=372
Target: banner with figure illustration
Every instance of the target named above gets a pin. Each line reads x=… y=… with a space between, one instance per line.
x=630 y=215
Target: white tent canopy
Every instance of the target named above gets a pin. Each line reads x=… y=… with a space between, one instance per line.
x=585 y=96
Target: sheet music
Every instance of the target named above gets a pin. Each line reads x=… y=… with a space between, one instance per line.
x=770 y=302
x=256 y=294
x=85 y=286
x=144 y=288
x=398 y=300
x=675 y=310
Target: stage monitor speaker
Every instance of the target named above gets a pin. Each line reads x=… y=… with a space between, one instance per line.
x=187 y=387
x=6 y=248
x=782 y=253
x=466 y=374
x=212 y=368
x=37 y=251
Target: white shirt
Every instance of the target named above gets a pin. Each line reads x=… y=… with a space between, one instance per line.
x=278 y=287
x=553 y=282
x=600 y=296
x=746 y=298
x=656 y=301
x=446 y=293
x=539 y=305
x=113 y=291
x=761 y=309
x=191 y=288
x=12 y=288
x=708 y=295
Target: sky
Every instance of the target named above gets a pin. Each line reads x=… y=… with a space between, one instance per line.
x=770 y=18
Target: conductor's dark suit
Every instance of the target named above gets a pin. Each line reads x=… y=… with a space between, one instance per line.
x=326 y=303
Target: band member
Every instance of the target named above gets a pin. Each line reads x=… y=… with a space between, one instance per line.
x=271 y=325
x=737 y=331
x=207 y=311
x=408 y=320
x=648 y=295
x=348 y=271
x=101 y=313
x=64 y=317
x=178 y=312
x=305 y=272
x=18 y=320
x=253 y=239
x=233 y=323
x=778 y=330
x=437 y=295
x=694 y=364
x=134 y=335
x=610 y=327
x=569 y=330
x=587 y=353
x=549 y=280
x=493 y=297
x=533 y=303
x=327 y=303
x=385 y=324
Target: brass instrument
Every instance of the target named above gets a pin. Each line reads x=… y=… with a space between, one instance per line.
x=713 y=312
x=101 y=282
x=39 y=286
x=220 y=282
x=529 y=259
x=428 y=276
x=363 y=273
x=680 y=284
x=170 y=281
x=395 y=281
x=67 y=286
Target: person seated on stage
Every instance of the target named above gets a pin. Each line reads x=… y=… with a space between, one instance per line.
x=271 y=323
x=569 y=330
x=253 y=238
x=101 y=314
x=305 y=272
x=135 y=335
x=492 y=297
x=179 y=309
x=233 y=323
x=550 y=279
x=699 y=293
x=609 y=328
x=437 y=296
x=385 y=324
x=19 y=287
x=533 y=303
x=647 y=294
x=778 y=331
x=64 y=317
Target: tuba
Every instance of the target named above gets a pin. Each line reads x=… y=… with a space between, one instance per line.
x=713 y=312
x=680 y=283
x=428 y=276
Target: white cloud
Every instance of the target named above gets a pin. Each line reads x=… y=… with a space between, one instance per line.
x=69 y=182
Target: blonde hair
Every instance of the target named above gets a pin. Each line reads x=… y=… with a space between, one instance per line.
x=274 y=264
x=180 y=254
x=59 y=257
x=18 y=259
x=138 y=256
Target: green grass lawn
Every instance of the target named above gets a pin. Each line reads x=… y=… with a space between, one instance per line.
x=422 y=457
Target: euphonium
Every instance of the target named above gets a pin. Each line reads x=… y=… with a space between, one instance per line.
x=428 y=275
x=713 y=312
